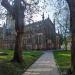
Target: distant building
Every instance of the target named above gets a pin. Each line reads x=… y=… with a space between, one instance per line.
x=7 y=33
x=38 y=35
x=1 y=37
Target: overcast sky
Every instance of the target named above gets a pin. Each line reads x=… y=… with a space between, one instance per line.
x=49 y=9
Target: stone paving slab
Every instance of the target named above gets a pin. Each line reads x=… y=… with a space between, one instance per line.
x=45 y=65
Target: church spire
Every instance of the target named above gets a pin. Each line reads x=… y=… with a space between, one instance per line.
x=54 y=21
x=43 y=16
x=48 y=16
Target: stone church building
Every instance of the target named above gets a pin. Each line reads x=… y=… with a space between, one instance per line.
x=40 y=35
x=37 y=35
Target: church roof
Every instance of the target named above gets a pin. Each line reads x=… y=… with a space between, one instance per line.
x=41 y=26
x=42 y=22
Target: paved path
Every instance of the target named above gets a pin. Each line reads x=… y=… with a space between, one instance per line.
x=45 y=65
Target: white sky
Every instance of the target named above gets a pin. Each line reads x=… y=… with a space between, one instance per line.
x=48 y=10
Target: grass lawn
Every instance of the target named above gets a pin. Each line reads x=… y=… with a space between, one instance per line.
x=63 y=59
x=9 y=68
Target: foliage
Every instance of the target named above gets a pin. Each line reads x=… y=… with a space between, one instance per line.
x=9 y=68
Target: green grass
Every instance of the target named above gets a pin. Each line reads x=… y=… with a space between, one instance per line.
x=63 y=59
x=9 y=68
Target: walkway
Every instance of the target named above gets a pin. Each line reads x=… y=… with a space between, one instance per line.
x=45 y=65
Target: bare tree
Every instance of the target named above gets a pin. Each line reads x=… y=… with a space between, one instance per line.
x=17 y=12
x=64 y=28
x=62 y=19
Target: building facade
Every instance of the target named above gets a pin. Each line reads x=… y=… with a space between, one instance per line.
x=38 y=35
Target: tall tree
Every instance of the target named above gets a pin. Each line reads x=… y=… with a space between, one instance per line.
x=72 y=26
x=64 y=28
x=61 y=17
x=17 y=12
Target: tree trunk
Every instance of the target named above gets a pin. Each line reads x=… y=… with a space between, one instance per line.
x=17 y=12
x=66 y=43
x=73 y=39
x=72 y=26
x=73 y=53
x=19 y=28
x=18 y=48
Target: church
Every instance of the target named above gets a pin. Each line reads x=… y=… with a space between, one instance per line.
x=37 y=35
x=40 y=35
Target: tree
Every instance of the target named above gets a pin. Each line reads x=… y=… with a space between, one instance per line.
x=17 y=12
x=72 y=28
x=62 y=17
x=64 y=28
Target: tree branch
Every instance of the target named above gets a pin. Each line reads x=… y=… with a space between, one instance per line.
x=6 y=4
